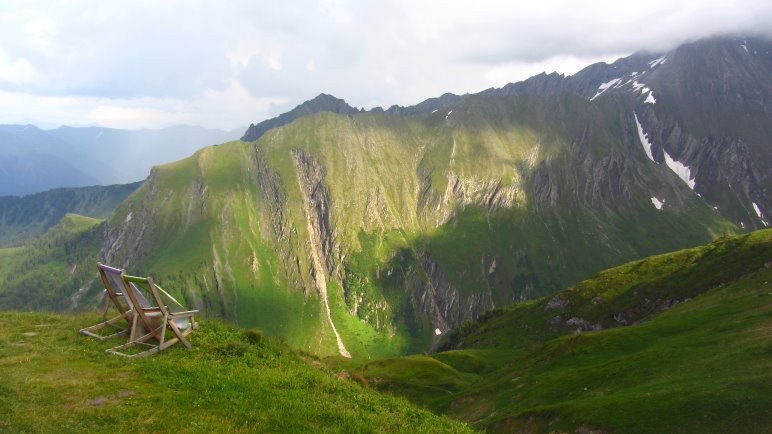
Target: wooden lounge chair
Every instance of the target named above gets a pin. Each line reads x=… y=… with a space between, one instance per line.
x=150 y=323
x=113 y=294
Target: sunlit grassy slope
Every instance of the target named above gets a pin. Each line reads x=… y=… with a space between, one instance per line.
x=702 y=365
x=233 y=380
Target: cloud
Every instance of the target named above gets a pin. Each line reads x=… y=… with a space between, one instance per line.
x=229 y=108
x=148 y=63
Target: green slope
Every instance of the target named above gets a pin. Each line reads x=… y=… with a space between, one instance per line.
x=232 y=380
x=697 y=358
x=52 y=271
x=415 y=223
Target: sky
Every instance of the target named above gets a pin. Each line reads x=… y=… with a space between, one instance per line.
x=156 y=63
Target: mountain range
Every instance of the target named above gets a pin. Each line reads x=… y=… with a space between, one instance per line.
x=375 y=233
x=583 y=253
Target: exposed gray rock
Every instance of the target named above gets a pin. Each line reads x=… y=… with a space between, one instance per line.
x=442 y=302
x=582 y=324
x=556 y=303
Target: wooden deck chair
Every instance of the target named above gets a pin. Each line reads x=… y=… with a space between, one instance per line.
x=150 y=322
x=113 y=294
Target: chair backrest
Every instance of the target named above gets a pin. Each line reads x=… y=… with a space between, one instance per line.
x=138 y=296
x=111 y=278
x=162 y=299
x=135 y=297
x=170 y=303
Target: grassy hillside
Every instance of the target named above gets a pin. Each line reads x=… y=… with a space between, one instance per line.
x=233 y=380
x=54 y=270
x=695 y=357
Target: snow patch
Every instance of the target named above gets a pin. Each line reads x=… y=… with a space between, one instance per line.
x=680 y=169
x=448 y=115
x=637 y=86
x=434 y=111
x=656 y=62
x=650 y=98
x=606 y=86
x=437 y=332
x=745 y=48
x=657 y=203
x=644 y=139
x=758 y=213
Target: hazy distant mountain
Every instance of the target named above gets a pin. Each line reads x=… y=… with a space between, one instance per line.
x=22 y=217
x=28 y=165
x=33 y=160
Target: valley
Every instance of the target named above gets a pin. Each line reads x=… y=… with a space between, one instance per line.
x=674 y=340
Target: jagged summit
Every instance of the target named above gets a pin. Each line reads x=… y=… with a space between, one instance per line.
x=322 y=103
x=427 y=106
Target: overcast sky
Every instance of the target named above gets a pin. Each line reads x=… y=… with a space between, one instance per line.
x=155 y=63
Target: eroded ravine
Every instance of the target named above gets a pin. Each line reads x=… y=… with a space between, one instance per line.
x=308 y=187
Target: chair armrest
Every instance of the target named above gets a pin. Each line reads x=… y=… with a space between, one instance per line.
x=185 y=313
x=151 y=309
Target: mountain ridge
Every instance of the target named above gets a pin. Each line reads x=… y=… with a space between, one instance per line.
x=388 y=258
x=740 y=189
x=322 y=102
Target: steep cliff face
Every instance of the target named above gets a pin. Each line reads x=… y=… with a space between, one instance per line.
x=713 y=114
x=706 y=109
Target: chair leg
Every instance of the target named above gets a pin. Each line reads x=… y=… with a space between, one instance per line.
x=138 y=341
x=89 y=331
x=180 y=335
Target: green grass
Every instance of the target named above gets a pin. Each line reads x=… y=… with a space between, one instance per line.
x=233 y=380
x=702 y=365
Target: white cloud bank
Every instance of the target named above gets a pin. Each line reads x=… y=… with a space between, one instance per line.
x=150 y=64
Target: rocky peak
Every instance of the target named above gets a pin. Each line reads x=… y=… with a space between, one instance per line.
x=427 y=106
x=322 y=103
